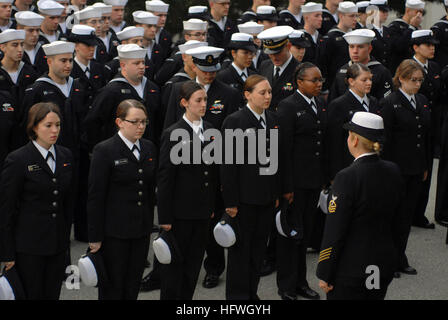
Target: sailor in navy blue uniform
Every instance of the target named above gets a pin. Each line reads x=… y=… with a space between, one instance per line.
x=163 y=37
x=186 y=192
x=154 y=56
x=9 y=125
x=250 y=14
x=330 y=16
x=333 y=52
x=129 y=84
x=22 y=5
x=107 y=36
x=221 y=26
x=33 y=54
x=51 y=11
x=381 y=43
x=304 y=120
x=15 y=75
x=401 y=30
x=434 y=90
x=359 y=51
x=440 y=29
x=121 y=202
x=117 y=22
x=267 y=16
x=292 y=16
x=37 y=206
x=407 y=120
x=364 y=218
x=6 y=22
x=194 y=29
x=254 y=29
x=356 y=98
x=312 y=16
x=299 y=44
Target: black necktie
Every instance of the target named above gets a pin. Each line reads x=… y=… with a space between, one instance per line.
x=49 y=156
x=413 y=103
x=365 y=105
x=426 y=69
x=313 y=106
x=243 y=76
x=135 y=148
x=277 y=73
x=261 y=122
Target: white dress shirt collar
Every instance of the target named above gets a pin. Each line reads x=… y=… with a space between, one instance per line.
x=128 y=143
x=263 y=115
x=43 y=151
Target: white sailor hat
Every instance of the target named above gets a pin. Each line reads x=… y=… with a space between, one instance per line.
x=423 y=36
x=226 y=231
x=251 y=27
x=297 y=38
x=10 y=286
x=130 y=32
x=145 y=17
x=131 y=51
x=347 y=7
x=446 y=3
x=191 y=44
x=88 y=13
x=275 y=38
x=6 y=1
x=84 y=34
x=415 y=4
x=198 y=12
x=157 y=6
x=359 y=36
x=166 y=249
x=367 y=125
x=28 y=18
x=92 y=270
x=381 y=4
x=244 y=41
x=311 y=7
x=284 y=224
x=267 y=13
x=362 y=6
x=116 y=3
x=62 y=1
x=195 y=24
x=105 y=8
x=50 y=7
x=11 y=35
x=206 y=58
x=58 y=47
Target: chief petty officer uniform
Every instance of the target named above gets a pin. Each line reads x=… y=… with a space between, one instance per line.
x=120 y=211
x=341 y=110
x=362 y=224
x=280 y=77
x=433 y=90
x=186 y=200
x=254 y=195
x=36 y=216
x=304 y=123
x=232 y=74
x=100 y=121
x=222 y=100
x=407 y=144
x=9 y=125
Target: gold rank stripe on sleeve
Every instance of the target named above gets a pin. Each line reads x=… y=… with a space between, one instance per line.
x=324 y=257
x=325 y=254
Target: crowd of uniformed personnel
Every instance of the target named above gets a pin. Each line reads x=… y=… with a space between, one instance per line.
x=305 y=71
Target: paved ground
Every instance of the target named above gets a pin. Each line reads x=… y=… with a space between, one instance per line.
x=427 y=252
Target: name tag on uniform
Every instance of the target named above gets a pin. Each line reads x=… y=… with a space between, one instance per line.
x=397 y=106
x=34 y=167
x=120 y=162
x=48 y=92
x=125 y=91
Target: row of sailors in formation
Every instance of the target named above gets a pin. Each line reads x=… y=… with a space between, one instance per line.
x=323 y=28
x=313 y=150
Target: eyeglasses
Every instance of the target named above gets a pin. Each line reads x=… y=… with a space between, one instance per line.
x=417 y=80
x=137 y=122
x=315 y=80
